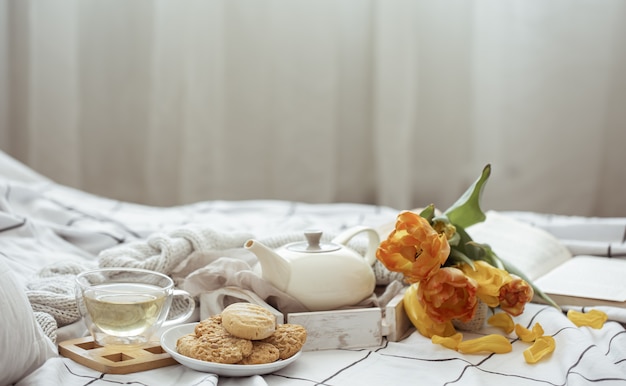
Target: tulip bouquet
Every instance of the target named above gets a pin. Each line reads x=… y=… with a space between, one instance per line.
x=450 y=275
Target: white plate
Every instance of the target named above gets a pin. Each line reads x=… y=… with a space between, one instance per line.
x=168 y=342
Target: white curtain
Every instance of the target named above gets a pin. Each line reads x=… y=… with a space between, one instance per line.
x=394 y=102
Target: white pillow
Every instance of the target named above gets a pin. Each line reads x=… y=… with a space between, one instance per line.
x=23 y=345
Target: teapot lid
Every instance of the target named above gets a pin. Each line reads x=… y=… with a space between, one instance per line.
x=313 y=244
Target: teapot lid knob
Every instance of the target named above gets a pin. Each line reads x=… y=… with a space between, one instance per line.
x=313 y=244
x=313 y=238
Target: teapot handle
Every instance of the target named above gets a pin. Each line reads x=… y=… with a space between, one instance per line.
x=374 y=240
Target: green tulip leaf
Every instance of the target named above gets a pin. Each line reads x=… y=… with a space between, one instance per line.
x=466 y=210
x=487 y=254
x=458 y=257
x=428 y=213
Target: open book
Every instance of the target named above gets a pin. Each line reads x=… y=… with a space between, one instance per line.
x=581 y=280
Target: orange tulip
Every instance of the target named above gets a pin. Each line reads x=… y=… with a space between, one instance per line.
x=449 y=294
x=514 y=295
x=413 y=248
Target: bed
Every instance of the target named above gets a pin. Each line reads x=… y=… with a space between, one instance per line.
x=49 y=232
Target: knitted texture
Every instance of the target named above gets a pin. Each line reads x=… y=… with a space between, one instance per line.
x=52 y=293
x=477 y=322
x=62 y=268
x=48 y=325
x=163 y=252
x=52 y=297
x=55 y=296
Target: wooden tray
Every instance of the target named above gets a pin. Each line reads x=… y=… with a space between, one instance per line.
x=353 y=328
x=349 y=328
x=115 y=359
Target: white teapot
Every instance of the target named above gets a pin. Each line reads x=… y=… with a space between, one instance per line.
x=322 y=276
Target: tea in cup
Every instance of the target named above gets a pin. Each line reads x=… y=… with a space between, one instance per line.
x=126 y=306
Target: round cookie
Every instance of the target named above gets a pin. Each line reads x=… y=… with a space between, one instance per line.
x=261 y=353
x=210 y=325
x=248 y=321
x=288 y=339
x=214 y=347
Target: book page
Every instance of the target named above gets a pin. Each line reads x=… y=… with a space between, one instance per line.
x=591 y=277
x=532 y=250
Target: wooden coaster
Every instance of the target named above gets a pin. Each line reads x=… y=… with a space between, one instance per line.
x=115 y=359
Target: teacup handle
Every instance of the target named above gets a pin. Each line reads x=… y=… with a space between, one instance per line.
x=191 y=306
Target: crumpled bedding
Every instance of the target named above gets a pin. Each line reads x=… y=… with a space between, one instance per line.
x=48 y=230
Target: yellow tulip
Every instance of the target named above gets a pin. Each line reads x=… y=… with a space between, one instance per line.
x=490 y=280
x=514 y=295
x=418 y=317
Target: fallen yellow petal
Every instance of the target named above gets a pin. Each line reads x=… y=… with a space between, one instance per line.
x=543 y=346
x=492 y=343
x=503 y=321
x=450 y=342
x=527 y=335
x=593 y=318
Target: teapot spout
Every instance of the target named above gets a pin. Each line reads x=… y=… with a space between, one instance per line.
x=275 y=269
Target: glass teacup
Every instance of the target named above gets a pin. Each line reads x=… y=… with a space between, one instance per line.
x=126 y=306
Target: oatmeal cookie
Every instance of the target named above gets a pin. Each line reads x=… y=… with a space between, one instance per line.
x=214 y=347
x=288 y=338
x=210 y=325
x=261 y=353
